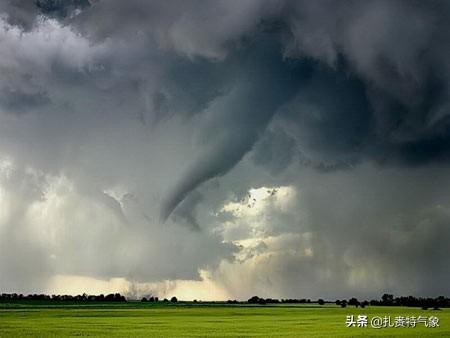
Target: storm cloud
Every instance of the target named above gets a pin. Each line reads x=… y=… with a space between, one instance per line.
x=143 y=140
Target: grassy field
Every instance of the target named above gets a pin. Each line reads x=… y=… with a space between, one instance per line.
x=135 y=319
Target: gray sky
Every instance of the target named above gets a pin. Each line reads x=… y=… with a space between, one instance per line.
x=221 y=149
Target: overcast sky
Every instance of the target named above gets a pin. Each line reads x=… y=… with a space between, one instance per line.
x=223 y=149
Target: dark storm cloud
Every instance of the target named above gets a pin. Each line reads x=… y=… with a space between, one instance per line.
x=60 y=8
x=20 y=13
x=20 y=102
x=379 y=90
x=24 y=13
x=398 y=49
x=154 y=99
x=330 y=118
x=274 y=150
x=390 y=53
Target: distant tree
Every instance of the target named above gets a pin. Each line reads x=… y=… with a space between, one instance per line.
x=262 y=301
x=174 y=299
x=321 y=301
x=353 y=301
x=387 y=299
x=144 y=299
x=253 y=300
x=344 y=303
x=338 y=302
x=441 y=301
x=272 y=300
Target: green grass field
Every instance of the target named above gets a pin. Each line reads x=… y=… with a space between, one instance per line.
x=135 y=319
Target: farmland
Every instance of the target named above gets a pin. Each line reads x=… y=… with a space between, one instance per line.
x=185 y=319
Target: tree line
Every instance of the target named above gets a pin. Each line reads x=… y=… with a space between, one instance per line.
x=386 y=300
x=112 y=297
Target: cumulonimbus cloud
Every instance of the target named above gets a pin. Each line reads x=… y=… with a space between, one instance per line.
x=139 y=104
